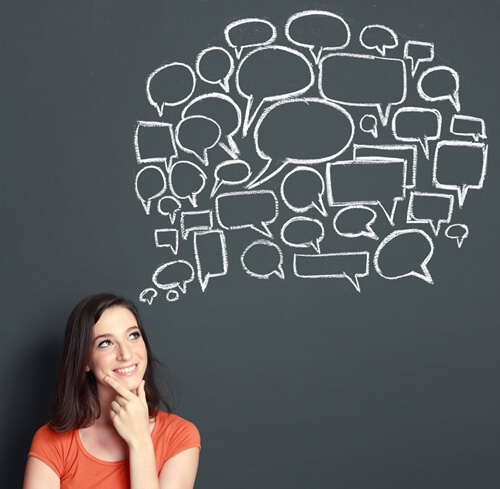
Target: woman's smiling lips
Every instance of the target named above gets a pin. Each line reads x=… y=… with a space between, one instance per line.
x=126 y=371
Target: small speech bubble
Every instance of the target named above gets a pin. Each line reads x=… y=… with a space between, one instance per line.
x=215 y=65
x=369 y=123
x=169 y=206
x=148 y=295
x=167 y=238
x=303 y=232
x=186 y=180
x=198 y=221
x=174 y=274
x=262 y=259
x=440 y=83
x=303 y=189
x=417 y=124
x=404 y=253
x=355 y=221
x=231 y=172
x=379 y=37
x=465 y=125
x=431 y=208
x=170 y=85
x=318 y=31
x=154 y=142
x=247 y=33
x=150 y=182
x=211 y=255
x=418 y=52
x=458 y=232
x=253 y=209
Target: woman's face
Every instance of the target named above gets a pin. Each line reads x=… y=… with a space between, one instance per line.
x=117 y=349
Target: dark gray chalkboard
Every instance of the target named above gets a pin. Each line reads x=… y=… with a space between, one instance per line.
x=383 y=374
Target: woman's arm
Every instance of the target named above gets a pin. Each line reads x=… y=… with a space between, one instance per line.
x=38 y=475
x=179 y=472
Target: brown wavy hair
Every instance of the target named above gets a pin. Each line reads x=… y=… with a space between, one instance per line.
x=76 y=404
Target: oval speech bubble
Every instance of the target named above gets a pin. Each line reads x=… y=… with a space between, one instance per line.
x=458 y=232
x=303 y=232
x=369 y=124
x=215 y=65
x=355 y=221
x=378 y=37
x=169 y=206
x=186 y=181
x=173 y=274
x=231 y=172
x=246 y=33
x=262 y=259
x=150 y=182
x=441 y=83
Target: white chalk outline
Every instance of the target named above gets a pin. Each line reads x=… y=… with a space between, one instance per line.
x=374 y=130
x=198 y=228
x=238 y=51
x=171 y=215
x=475 y=135
x=279 y=272
x=175 y=232
x=182 y=285
x=218 y=182
x=192 y=197
x=382 y=50
x=306 y=244
x=453 y=98
x=163 y=159
x=147 y=204
x=411 y=219
x=459 y=239
x=368 y=232
x=415 y=65
x=224 y=82
x=222 y=238
x=150 y=290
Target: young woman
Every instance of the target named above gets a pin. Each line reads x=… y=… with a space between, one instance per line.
x=107 y=430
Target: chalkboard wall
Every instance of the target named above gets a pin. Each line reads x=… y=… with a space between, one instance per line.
x=300 y=196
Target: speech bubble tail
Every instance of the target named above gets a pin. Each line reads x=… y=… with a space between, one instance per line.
x=384 y=114
x=424 y=275
x=455 y=101
x=263 y=230
x=183 y=287
x=414 y=67
x=204 y=281
x=462 y=193
x=233 y=146
x=354 y=281
x=228 y=150
x=147 y=206
x=172 y=216
x=250 y=115
x=159 y=109
x=370 y=233
x=259 y=181
x=460 y=240
x=315 y=245
x=320 y=206
x=374 y=132
x=225 y=85
x=380 y=50
x=280 y=273
x=238 y=52
x=435 y=226
x=389 y=211
x=192 y=199
x=424 y=143
x=316 y=54
x=216 y=187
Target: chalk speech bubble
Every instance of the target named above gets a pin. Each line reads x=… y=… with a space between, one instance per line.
x=318 y=31
x=231 y=172
x=418 y=52
x=247 y=33
x=378 y=37
x=148 y=295
x=458 y=232
x=186 y=181
x=302 y=189
x=369 y=124
x=167 y=238
x=215 y=65
x=432 y=208
x=170 y=85
x=370 y=181
x=262 y=259
x=459 y=166
x=150 y=183
x=466 y=125
x=154 y=142
x=196 y=221
x=363 y=81
x=323 y=130
x=440 y=83
x=355 y=221
x=303 y=232
x=396 y=256
x=417 y=124
x=269 y=74
x=210 y=252
x=349 y=265
x=251 y=209
x=174 y=274
x=169 y=206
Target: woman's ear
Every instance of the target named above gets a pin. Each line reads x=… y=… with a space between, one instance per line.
x=87 y=368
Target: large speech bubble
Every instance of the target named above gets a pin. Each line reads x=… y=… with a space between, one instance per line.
x=440 y=83
x=247 y=33
x=150 y=183
x=252 y=209
x=269 y=74
x=262 y=259
x=301 y=131
x=318 y=31
x=186 y=181
x=418 y=52
x=154 y=142
x=458 y=232
x=364 y=81
x=211 y=255
x=169 y=206
x=431 y=208
x=355 y=221
x=215 y=65
x=231 y=172
x=174 y=274
x=466 y=125
x=303 y=232
x=378 y=37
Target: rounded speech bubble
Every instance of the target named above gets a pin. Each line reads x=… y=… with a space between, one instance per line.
x=173 y=274
x=262 y=259
x=303 y=232
x=369 y=124
x=458 y=232
x=150 y=182
x=355 y=221
x=231 y=172
x=440 y=83
x=246 y=33
x=169 y=206
x=378 y=37
x=186 y=181
x=148 y=295
x=215 y=65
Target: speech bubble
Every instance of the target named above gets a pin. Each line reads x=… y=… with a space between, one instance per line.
x=186 y=181
x=355 y=221
x=378 y=37
x=418 y=52
x=363 y=81
x=174 y=274
x=252 y=209
x=169 y=206
x=170 y=85
x=441 y=83
x=196 y=135
x=466 y=125
x=303 y=189
x=231 y=172
x=323 y=130
x=148 y=295
x=150 y=183
x=303 y=232
x=198 y=221
x=266 y=259
x=167 y=238
x=417 y=124
x=431 y=208
x=396 y=256
x=318 y=31
x=349 y=265
x=460 y=166
x=154 y=142
x=369 y=124
x=215 y=65
x=370 y=181
x=247 y=33
x=211 y=256
x=458 y=232
x=271 y=73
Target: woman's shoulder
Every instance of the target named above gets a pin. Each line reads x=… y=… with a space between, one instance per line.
x=171 y=421
x=46 y=434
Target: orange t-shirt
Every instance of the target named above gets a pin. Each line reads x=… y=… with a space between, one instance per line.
x=65 y=455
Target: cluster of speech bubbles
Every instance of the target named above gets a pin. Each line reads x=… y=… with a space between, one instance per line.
x=315 y=150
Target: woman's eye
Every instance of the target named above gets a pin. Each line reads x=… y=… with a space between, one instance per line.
x=135 y=335
x=104 y=344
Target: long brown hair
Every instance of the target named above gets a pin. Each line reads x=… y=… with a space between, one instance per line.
x=75 y=404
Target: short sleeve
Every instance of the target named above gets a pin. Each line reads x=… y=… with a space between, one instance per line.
x=48 y=447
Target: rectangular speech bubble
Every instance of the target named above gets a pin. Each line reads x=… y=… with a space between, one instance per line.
x=196 y=221
x=211 y=255
x=154 y=142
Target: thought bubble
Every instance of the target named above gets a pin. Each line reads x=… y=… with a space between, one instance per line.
x=170 y=85
x=363 y=81
x=369 y=123
x=318 y=31
x=186 y=181
x=379 y=37
x=167 y=238
x=404 y=253
x=458 y=232
x=431 y=208
x=169 y=206
x=303 y=232
x=465 y=125
x=196 y=221
x=150 y=182
x=154 y=142
x=174 y=274
x=417 y=124
x=246 y=33
x=418 y=52
x=231 y=172
x=262 y=259
x=253 y=209
x=303 y=189
x=440 y=83
x=215 y=65
x=355 y=221
x=148 y=295
x=211 y=255
x=323 y=130
x=269 y=74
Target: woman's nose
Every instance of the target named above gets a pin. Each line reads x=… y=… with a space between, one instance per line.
x=123 y=352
